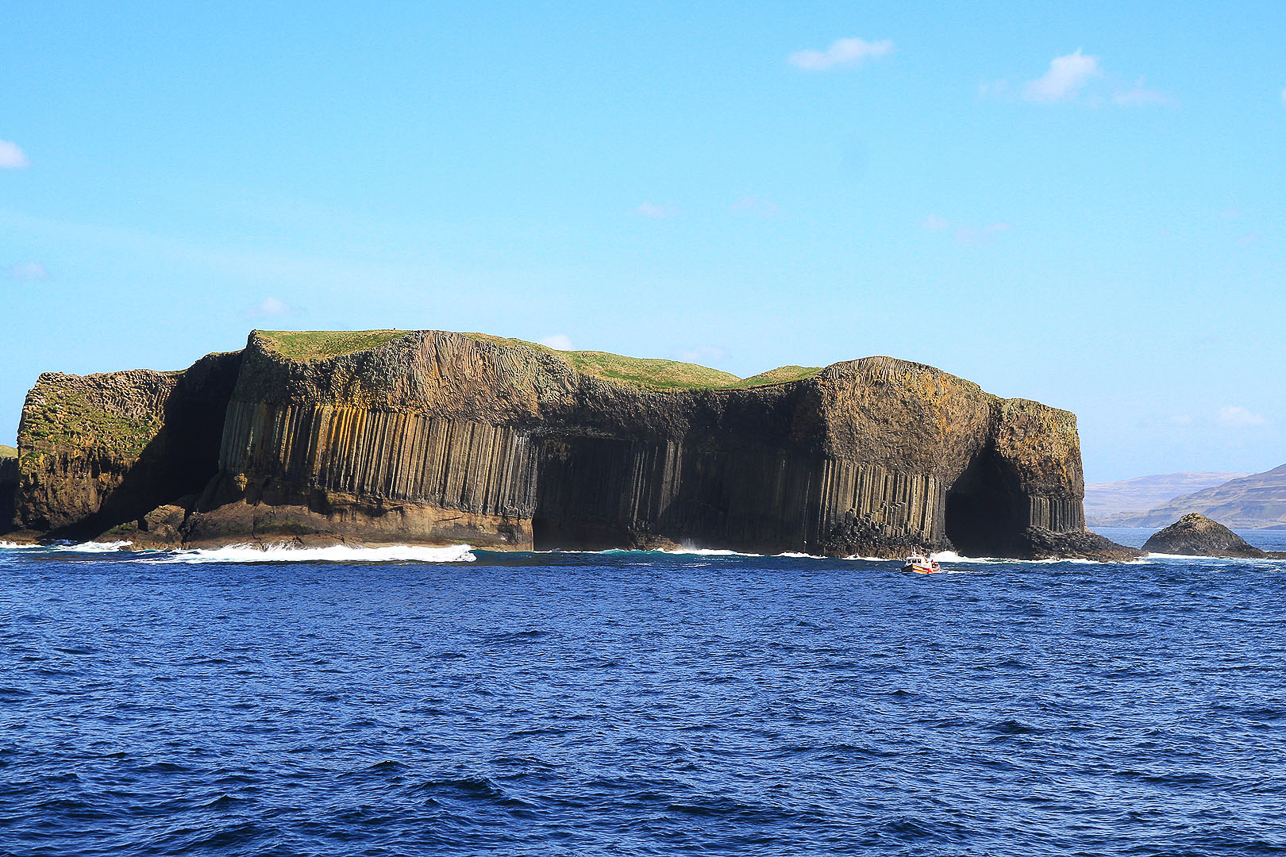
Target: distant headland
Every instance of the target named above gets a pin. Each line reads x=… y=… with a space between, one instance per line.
x=435 y=437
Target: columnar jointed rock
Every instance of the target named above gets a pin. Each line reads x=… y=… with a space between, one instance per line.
x=434 y=437
x=1196 y=535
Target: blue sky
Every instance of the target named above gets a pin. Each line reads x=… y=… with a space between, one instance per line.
x=1075 y=203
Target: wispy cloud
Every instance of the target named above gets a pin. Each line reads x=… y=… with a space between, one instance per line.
x=842 y=52
x=933 y=223
x=1079 y=78
x=558 y=342
x=1066 y=77
x=753 y=205
x=28 y=271
x=1235 y=416
x=1140 y=95
x=12 y=157
x=969 y=236
x=655 y=211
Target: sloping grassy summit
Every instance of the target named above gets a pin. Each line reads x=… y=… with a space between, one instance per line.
x=8 y=451
x=651 y=373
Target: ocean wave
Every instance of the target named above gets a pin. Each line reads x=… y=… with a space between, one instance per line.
x=687 y=551
x=1220 y=560
x=335 y=553
x=92 y=547
x=679 y=551
x=15 y=546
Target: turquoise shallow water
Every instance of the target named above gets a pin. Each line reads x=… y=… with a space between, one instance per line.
x=637 y=703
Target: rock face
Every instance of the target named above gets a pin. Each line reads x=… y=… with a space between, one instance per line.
x=442 y=437
x=99 y=450
x=1196 y=535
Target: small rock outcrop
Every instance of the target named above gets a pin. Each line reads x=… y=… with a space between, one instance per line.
x=1196 y=535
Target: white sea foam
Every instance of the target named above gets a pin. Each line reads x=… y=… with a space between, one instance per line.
x=334 y=553
x=14 y=546
x=679 y=551
x=1221 y=560
x=686 y=551
x=93 y=547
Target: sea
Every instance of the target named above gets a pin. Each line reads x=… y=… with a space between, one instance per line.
x=443 y=701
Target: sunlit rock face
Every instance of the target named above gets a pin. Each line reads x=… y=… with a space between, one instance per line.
x=435 y=437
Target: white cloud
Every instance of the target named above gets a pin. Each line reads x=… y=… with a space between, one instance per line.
x=12 y=157
x=558 y=342
x=1066 y=77
x=842 y=52
x=28 y=271
x=651 y=209
x=1235 y=416
x=933 y=223
x=755 y=206
x=1080 y=78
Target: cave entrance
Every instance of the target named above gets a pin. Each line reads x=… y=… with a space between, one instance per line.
x=983 y=515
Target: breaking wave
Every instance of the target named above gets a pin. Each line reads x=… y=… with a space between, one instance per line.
x=92 y=547
x=334 y=553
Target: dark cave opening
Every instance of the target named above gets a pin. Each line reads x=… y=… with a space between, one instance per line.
x=983 y=515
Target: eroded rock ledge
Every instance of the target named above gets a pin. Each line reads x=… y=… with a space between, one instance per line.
x=436 y=437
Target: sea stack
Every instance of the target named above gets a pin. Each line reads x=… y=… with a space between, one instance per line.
x=434 y=437
x=1196 y=535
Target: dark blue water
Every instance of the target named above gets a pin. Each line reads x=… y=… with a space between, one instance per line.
x=639 y=704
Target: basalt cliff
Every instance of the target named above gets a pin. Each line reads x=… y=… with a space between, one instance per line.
x=435 y=437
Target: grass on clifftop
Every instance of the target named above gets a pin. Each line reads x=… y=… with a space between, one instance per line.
x=323 y=344
x=780 y=375
x=651 y=373
x=8 y=451
x=642 y=372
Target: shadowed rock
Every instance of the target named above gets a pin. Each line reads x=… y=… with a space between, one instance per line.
x=8 y=490
x=1196 y=535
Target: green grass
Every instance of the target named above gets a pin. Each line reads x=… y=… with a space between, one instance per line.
x=8 y=451
x=780 y=375
x=323 y=344
x=648 y=373
x=69 y=419
x=636 y=371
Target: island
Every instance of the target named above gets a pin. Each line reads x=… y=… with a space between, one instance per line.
x=434 y=437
